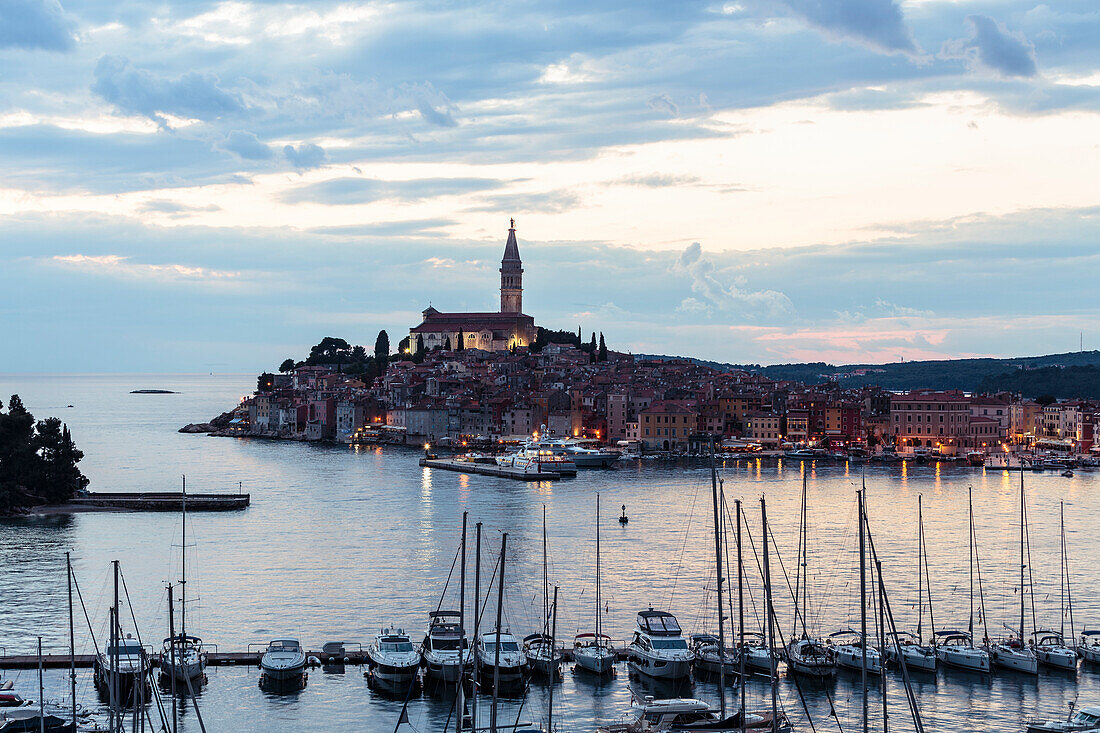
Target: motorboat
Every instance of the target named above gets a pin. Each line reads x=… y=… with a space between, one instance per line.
x=1050 y=648
x=547 y=459
x=534 y=465
x=392 y=657
x=688 y=714
x=811 y=658
x=658 y=648
x=511 y=663
x=1013 y=654
x=29 y=719
x=1089 y=649
x=283 y=660
x=542 y=656
x=581 y=452
x=593 y=653
x=848 y=648
x=125 y=658
x=183 y=658
x=956 y=649
x=800 y=454
x=445 y=651
x=975 y=458
x=710 y=659
x=1080 y=719
x=755 y=650
x=915 y=654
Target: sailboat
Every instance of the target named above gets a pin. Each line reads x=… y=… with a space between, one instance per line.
x=1050 y=645
x=542 y=657
x=592 y=651
x=916 y=653
x=955 y=647
x=1013 y=653
x=183 y=658
x=806 y=656
x=712 y=656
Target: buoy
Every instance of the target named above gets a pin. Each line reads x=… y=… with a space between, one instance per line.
x=624 y=519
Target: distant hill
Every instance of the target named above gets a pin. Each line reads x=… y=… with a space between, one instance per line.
x=1063 y=375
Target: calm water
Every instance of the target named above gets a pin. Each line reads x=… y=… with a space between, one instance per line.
x=339 y=542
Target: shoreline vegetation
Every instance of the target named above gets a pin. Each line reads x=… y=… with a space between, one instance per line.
x=38 y=461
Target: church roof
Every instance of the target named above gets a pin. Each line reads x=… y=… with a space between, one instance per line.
x=511 y=249
x=442 y=322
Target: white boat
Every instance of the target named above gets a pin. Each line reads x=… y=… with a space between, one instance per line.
x=1013 y=653
x=811 y=658
x=1081 y=719
x=130 y=662
x=283 y=660
x=1051 y=649
x=658 y=648
x=547 y=459
x=956 y=649
x=593 y=653
x=542 y=656
x=511 y=662
x=755 y=650
x=916 y=655
x=531 y=466
x=800 y=454
x=581 y=451
x=848 y=651
x=709 y=659
x=805 y=655
x=445 y=651
x=1089 y=648
x=393 y=659
x=183 y=658
x=687 y=714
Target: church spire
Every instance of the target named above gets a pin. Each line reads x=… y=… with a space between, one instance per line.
x=511 y=275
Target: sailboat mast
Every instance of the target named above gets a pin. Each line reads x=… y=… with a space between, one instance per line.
x=72 y=634
x=741 y=616
x=769 y=612
x=545 y=576
x=718 y=571
x=1022 y=643
x=477 y=620
x=461 y=703
x=920 y=555
x=183 y=565
x=599 y=624
x=553 y=669
x=496 y=645
x=970 y=515
x=863 y=614
x=1065 y=566
x=172 y=658
x=114 y=696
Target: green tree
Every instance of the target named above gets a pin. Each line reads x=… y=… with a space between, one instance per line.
x=461 y=341
x=382 y=351
x=447 y=344
x=330 y=350
x=265 y=382
x=286 y=366
x=602 y=352
x=38 y=461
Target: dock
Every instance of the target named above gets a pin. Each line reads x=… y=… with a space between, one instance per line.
x=167 y=501
x=486 y=469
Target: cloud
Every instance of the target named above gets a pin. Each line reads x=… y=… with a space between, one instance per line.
x=433 y=105
x=247 y=146
x=120 y=266
x=31 y=24
x=712 y=294
x=305 y=156
x=341 y=191
x=406 y=228
x=663 y=103
x=193 y=94
x=174 y=208
x=878 y=24
x=994 y=47
x=657 y=180
x=547 y=202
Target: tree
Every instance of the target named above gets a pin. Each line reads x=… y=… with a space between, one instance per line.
x=592 y=349
x=447 y=344
x=1045 y=399
x=38 y=461
x=382 y=351
x=602 y=353
x=404 y=347
x=330 y=350
x=461 y=341
x=286 y=366
x=265 y=382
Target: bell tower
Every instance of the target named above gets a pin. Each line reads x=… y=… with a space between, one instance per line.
x=511 y=275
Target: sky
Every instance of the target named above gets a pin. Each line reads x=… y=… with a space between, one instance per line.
x=214 y=186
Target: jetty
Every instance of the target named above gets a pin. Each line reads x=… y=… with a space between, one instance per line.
x=489 y=469
x=166 y=501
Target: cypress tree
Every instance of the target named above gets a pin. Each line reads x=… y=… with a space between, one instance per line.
x=602 y=349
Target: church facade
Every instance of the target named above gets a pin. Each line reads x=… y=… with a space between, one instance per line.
x=487 y=331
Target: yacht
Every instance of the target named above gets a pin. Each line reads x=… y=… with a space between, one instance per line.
x=1081 y=719
x=956 y=649
x=916 y=655
x=1013 y=654
x=593 y=653
x=709 y=659
x=849 y=649
x=183 y=658
x=658 y=648
x=283 y=660
x=811 y=658
x=541 y=655
x=445 y=650
x=687 y=714
x=1051 y=649
x=393 y=659
x=583 y=453
x=801 y=454
x=536 y=462
x=131 y=664
x=512 y=661
x=1089 y=648
x=755 y=649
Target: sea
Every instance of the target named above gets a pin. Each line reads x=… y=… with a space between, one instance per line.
x=340 y=542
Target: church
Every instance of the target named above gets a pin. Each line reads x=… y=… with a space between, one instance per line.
x=487 y=331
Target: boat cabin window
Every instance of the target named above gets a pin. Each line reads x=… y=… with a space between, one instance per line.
x=505 y=646
x=669 y=643
x=446 y=645
x=395 y=646
x=124 y=648
x=661 y=623
x=284 y=645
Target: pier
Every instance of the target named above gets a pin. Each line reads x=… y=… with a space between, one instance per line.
x=486 y=469
x=168 y=501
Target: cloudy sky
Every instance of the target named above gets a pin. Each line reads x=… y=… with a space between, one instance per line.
x=214 y=186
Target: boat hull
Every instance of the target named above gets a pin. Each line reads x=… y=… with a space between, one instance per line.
x=1090 y=653
x=442 y=670
x=920 y=658
x=663 y=669
x=973 y=660
x=853 y=659
x=596 y=662
x=1062 y=658
x=1015 y=661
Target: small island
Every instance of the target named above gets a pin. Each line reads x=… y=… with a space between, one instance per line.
x=152 y=391
x=38 y=461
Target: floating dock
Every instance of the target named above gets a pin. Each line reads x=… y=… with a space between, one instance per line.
x=487 y=469
x=168 y=501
